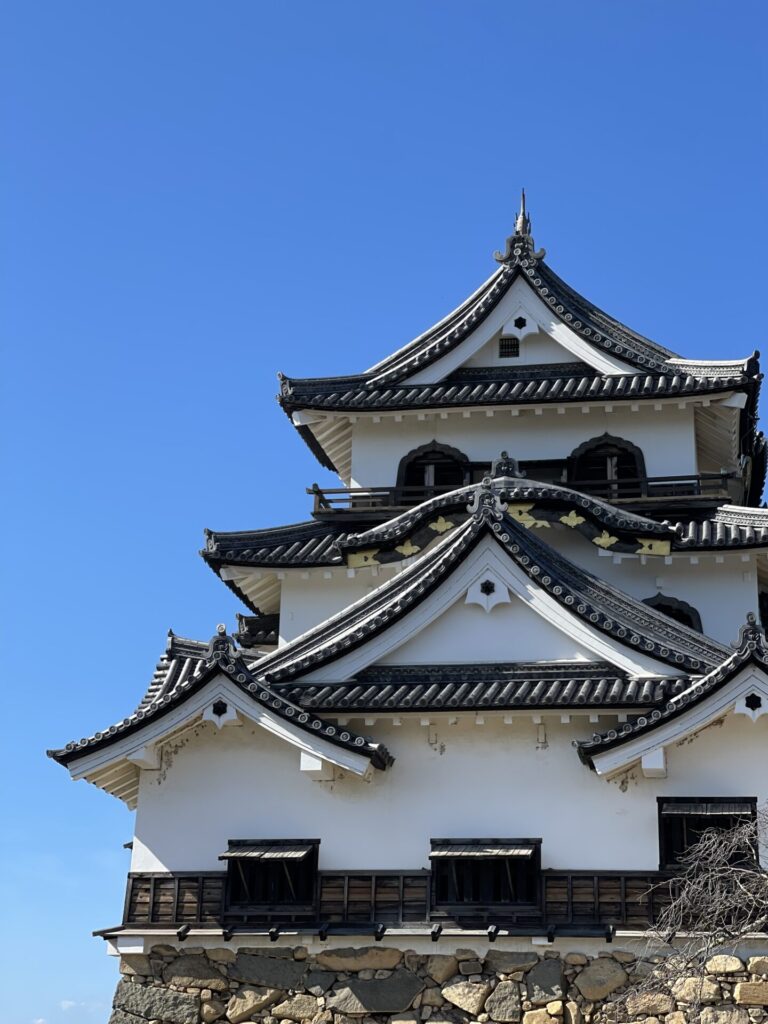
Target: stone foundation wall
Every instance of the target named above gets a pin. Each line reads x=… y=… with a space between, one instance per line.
x=382 y=985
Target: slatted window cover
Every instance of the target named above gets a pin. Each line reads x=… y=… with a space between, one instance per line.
x=482 y=850
x=266 y=851
x=708 y=809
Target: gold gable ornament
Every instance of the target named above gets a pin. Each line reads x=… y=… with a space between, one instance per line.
x=573 y=519
x=521 y=514
x=605 y=540
x=651 y=546
x=441 y=525
x=408 y=548
x=359 y=559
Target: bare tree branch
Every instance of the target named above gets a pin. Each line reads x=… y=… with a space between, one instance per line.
x=718 y=897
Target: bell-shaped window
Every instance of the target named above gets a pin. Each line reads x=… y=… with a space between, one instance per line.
x=608 y=467
x=432 y=469
x=680 y=611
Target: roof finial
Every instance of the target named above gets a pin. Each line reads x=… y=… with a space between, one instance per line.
x=523 y=222
x=520 y=245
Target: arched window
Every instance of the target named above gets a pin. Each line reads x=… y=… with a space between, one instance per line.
x=608 y=466
x=680 y=611
x=432 y=469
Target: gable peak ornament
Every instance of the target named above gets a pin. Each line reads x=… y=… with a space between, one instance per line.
x=523 y=221
x=520 y=245
x=506 y=466
x=751 y=637
x=488 y=591
x=221 y=647
x=486 y=502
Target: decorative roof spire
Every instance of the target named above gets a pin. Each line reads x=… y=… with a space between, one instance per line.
x=523 y=222
x=520 y=244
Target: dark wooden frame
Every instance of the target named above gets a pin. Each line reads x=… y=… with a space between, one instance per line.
x=596 y=443
x=646 y=491
x=664 y=864
x=582 y=902
x=488 y=910
x=291 y=908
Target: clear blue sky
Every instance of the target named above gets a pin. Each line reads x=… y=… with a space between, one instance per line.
x=195 y=195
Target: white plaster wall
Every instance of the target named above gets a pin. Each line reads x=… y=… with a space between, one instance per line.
x=510 y=631
x=308 y=598
x=722 y=587
x=535 y=349
x=667 y=438
x=448 y=780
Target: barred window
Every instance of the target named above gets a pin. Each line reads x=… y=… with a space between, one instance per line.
x=277 y=872
x=683 y=820
x=509 y=348
x=485 y=871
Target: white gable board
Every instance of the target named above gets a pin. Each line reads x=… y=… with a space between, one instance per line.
x=536 y=348
x=730 y=699
x=466 y=633
x=522 y=301
x=489 y=561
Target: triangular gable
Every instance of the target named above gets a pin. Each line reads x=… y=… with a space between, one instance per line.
x=487 y=626
x=738 y=686
x=222 y=689
x=544 y=338
x=615 y=626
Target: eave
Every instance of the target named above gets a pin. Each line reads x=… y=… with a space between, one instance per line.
x=483 y=688
x=109 y=757
x=606 y=610
x=386 y=385
x=327 y=544
x=698 y=705
x=328 y=417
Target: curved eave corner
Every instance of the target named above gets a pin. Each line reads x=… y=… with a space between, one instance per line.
x=618 y=749
x=111 y=759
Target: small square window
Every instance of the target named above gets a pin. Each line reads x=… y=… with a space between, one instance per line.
x=509 y=348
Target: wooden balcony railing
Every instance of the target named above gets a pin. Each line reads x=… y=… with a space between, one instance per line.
x=371 y=499
x=571 y=900
x=362 y=501
x=632 y=488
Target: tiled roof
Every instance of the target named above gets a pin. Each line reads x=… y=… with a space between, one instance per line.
x=484 y=687
x=324 y=543
x=592 y=324
x=511 y=490
x=182 y=660
x=258 y=630
x=605 y=608
x=600 y=330
x=171 y=686
x=752 y=647
x=357 y=394
x=732 y=526
x=299 y=544
x=656 y=371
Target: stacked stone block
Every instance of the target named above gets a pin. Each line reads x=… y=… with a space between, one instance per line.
x=383 y=985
